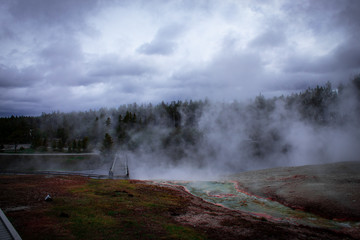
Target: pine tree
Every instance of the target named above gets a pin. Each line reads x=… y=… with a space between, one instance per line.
x=107 y=143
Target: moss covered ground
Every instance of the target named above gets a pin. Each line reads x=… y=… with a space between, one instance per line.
x=93 y=209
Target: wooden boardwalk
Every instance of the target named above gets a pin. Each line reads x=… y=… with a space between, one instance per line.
x=119 y=168
x=7 y=231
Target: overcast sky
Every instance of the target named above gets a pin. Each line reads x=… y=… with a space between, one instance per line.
x=72 y=55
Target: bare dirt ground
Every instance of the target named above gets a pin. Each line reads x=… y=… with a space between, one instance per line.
x=22 y=199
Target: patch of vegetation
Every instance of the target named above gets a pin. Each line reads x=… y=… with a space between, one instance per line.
x=181 y=232
x=120 y=209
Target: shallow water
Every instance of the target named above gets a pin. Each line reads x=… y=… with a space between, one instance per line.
x=224 y=193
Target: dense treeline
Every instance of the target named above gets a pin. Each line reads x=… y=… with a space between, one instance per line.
x=178 y=130
x=79 y=131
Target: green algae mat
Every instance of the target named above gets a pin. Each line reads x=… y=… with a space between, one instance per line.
x=226 y=194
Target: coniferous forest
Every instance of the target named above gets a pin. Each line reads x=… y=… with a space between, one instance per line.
x=304 y=127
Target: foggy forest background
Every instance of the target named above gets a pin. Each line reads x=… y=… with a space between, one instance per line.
x=318 y=125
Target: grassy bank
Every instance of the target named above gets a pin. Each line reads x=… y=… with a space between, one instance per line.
x=108 y=209
x=84 y=208
x=93 y=209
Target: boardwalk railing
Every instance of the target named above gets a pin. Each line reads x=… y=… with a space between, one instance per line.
x=7 y=231
x=119 y=167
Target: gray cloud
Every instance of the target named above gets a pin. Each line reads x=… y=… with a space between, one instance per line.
x=66 y=14
x=111 y=65
x=61 y=52
x=49 y=47
x=6 y=33
x=63 y=62
x=325 y=16
x=269 y=38
x=158 y=47
x=327 y=20
x=230 y=75
x=345 y=57
x=21 y=100
x=164 y=42
x=14 y=77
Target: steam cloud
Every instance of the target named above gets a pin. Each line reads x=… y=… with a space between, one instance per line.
x=205 y=140
x=246 y=136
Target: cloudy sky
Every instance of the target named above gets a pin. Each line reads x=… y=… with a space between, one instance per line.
x=72 y=55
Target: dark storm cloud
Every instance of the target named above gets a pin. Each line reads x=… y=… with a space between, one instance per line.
x=43 y=35
x=345 y=57
x=164 y=42
x=20 y=100
x=10 y=108
x=14 y=77
x=323 y=16
x=68 y=14
x=72 y=47
x=328 y=17
x=349 y=17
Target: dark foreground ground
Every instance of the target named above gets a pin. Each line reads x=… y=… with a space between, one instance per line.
x=84 y=208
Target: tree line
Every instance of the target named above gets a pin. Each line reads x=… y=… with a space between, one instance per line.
x=176 y=128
